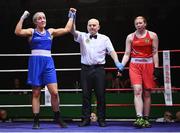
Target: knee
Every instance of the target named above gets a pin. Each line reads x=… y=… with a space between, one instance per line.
x=54 y=94
x=147 y=95
x=138 y=92
x=36 y=94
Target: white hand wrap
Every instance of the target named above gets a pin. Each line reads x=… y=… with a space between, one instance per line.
x=25 y=15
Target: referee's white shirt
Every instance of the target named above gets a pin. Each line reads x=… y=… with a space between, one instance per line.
x=93 y=51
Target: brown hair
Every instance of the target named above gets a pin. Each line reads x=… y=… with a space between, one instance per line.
x=141 y=17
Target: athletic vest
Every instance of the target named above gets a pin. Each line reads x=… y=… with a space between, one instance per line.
x=142 y=47
x=41 y=41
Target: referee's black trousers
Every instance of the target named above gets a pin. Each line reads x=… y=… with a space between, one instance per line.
x=93 y=77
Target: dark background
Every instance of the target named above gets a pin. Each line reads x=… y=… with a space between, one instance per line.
x=116 y=20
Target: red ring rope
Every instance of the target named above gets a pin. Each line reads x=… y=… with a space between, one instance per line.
x=127 y=105
x=130 y=89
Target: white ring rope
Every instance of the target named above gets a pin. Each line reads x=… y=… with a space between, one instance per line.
x=62 y=54
x=15 y=70
x=25 y=70
x=30 y=90
x=26 y=105
x=55 y=54
x=61 y=105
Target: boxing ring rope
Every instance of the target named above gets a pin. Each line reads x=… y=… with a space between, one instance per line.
x=160 y=51
x=79 y=105
x=69 y=54
x=70 y=69
x=79 y=90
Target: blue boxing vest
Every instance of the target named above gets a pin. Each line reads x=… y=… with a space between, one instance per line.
x=41 y=41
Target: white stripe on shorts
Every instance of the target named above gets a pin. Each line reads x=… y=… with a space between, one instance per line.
x=41 y=52
x=141 y=60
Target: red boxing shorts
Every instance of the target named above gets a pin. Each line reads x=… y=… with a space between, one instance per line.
x=141 y=72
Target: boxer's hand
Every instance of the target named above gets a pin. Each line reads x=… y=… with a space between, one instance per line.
x=119 y=74
x=158 y=76
x=156 y=73
x=72 y=13
x=73 y=10
x=120 y=68
x=25 y=15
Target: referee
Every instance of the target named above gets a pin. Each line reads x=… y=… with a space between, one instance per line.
x=93 y=48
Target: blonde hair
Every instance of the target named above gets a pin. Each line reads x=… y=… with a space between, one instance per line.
x=36 y=15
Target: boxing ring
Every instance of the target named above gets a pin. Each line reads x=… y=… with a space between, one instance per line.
x=120 y=107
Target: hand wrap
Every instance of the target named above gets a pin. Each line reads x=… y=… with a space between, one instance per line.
x=72 y=15
x=25 y=15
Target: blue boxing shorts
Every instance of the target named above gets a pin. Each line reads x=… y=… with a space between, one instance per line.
x=41 y=71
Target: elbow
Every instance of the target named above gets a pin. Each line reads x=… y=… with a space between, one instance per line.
x=68 y=30
x=16 y=32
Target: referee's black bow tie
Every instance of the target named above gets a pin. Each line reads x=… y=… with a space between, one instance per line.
x=93 y=36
